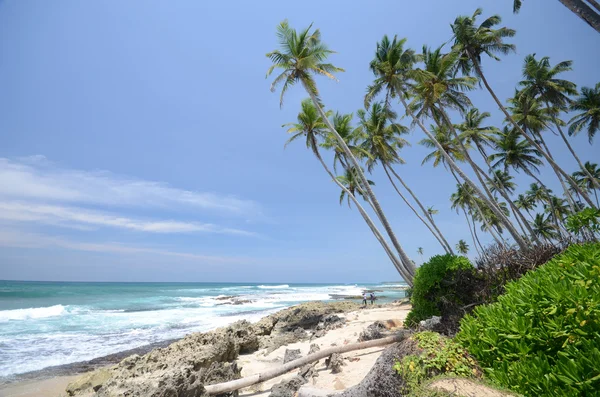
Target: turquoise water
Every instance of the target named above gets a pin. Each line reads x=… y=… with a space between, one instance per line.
x=44 y=324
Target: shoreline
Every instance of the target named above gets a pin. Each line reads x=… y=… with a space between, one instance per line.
x=51 y=380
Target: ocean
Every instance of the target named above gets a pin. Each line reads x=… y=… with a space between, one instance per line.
x=45 y=324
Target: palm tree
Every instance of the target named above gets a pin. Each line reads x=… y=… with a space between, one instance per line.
x=420 y=252
x=590 y=179
x=302 y=56
x=541 y=82
x=381 y=139
x=579 y=7
x=526 y=202
x=472 y=42
x=544 y=228
x=311 y=125
x=589 y=105
x=473 y=132
x=558 y=209
x=516 y=153
x=437 y=88
x=352 y=184
x=442 y=144
x=462 y=247
x=343 y=125
x=533 y=119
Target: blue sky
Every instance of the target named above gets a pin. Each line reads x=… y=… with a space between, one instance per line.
x=139 y=140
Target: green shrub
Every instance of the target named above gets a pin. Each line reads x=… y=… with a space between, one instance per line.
x=439 y=356
x=542 y=337
x=428 y=291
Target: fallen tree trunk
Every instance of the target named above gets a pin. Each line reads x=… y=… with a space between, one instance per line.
x=270 y=374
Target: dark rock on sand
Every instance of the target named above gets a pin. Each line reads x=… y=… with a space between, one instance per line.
x=314 y=348
x=382 y=380
x=335 y=362
x=373 y=331
x=287 y=388
x=291 y=355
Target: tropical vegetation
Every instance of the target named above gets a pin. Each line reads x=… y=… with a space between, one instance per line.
x=542 y=337
x=427 y=93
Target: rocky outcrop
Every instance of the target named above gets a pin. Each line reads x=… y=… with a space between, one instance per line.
x=335 y=362
x=182 y=368
x=177 y=370
x=289 y=325
x=291 y=355
x=374 y=331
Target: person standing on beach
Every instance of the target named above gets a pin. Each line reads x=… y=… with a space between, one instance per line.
x=365 y=298
x=372 y=298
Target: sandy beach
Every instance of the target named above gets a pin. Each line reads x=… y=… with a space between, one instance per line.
x=358 y=363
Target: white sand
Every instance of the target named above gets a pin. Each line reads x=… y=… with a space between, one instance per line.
x=357 y=367
x=359 y=363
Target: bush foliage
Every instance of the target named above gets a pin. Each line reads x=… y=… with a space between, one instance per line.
x=431 y=291
x=542 y=337
x=439 y=356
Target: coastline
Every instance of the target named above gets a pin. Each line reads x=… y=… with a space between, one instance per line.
x=52 y=380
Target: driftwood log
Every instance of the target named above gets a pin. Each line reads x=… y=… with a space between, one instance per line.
x=270 y=374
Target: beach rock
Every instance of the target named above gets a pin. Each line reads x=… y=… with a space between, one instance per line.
x=335 y=362
x=91 y=381
x=320 y=333
x=314 y=348
x=181 y=369
x=291 y=355
x=308 y=371
x=382 y=380
x=430 y=324
x=309 y=314
x=373 y=331
x=287 y=388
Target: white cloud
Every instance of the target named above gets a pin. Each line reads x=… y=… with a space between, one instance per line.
x=78 y=217
x=18 y=239
x=35 y=178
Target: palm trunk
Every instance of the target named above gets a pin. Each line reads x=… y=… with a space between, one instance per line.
x=564 y=138
x=526 y=136
x=566 y=192
x=596 y=194
x=385 y=168
x=395 y=261
x=471 y=231
x=425 y=212
x=409 y=265
x=584 y=12
x=476 y=236
x=491 y=202
x=505 y=194
x=512 y=206
x=549 y=202
x=454 y=166
x=484 y=220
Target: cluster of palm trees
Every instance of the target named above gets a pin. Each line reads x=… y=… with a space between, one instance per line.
x=430 y=89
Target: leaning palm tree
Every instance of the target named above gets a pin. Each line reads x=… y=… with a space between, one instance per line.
x=352 y=184
x=590 y=179
x=311 y=126
x=526 y=202
x=380 y=137
x=420 y=252
x=588 y=104
x=438 y=88
x=544 y=228
x=301 y=56
x=472 y=131
x=462 y=247
x=343 y=125
x=542 y=82
x=534 y=118
x=579 y=7
x=472 y=41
